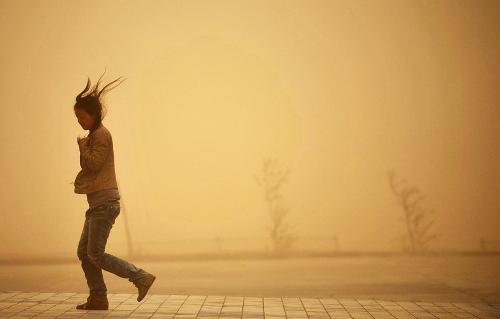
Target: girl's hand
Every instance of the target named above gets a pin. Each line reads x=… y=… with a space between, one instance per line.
x=81 y=140
x=81 y=136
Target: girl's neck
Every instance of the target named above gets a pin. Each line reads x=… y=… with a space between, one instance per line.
x=91 y=130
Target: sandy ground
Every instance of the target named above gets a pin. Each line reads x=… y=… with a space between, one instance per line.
x=448 y=279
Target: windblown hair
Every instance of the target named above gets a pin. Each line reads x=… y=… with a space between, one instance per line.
x=90 y=100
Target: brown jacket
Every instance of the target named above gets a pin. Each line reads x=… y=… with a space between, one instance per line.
x=97 y=162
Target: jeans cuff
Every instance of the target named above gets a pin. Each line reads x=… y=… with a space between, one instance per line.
x=99 y=292
x=138 y=275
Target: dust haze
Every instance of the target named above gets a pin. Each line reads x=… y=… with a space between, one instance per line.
x=338 y=94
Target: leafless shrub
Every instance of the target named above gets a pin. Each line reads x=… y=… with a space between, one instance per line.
x=271 y=180
x=417 y=219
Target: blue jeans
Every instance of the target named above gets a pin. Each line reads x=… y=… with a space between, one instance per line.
x=98 y=223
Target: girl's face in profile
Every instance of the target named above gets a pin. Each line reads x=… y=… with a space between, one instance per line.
x=85 y=119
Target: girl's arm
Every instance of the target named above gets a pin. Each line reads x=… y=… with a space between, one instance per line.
x=94 y=156
x=80 y=140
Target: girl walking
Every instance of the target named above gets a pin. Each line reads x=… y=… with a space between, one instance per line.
x=97 y=180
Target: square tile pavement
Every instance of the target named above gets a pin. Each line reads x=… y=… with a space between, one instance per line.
x=17 y=304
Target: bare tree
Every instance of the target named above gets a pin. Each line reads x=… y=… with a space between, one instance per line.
x=128 y=236
x=271 y=181
x=418 y=225
x=336 y=242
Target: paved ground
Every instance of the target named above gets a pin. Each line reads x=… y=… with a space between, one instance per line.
x=429 y=279
x=291 y=288
x=62 y=305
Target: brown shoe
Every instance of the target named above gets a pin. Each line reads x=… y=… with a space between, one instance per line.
x=143 y=285
x=95 y=302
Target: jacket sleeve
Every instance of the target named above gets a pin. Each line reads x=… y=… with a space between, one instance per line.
x=94 y=155
x=81 y=161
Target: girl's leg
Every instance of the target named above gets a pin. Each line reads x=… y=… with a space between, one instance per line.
x=93 y=274
x=100 y=223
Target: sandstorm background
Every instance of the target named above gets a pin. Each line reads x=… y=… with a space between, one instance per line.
x=340 y=92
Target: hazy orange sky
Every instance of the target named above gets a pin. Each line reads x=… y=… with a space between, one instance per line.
x=338 y=91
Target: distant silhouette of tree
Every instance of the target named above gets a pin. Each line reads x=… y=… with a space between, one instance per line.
x=218 y=242
x=417 y=220
x=336 y=242
x=124 y=213
x=271 y=180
